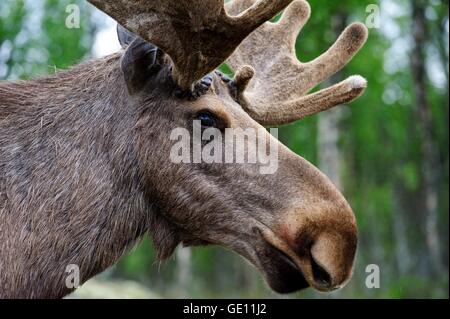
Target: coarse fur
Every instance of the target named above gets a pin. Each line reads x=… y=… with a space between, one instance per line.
x=85 y=173
x=69 y=179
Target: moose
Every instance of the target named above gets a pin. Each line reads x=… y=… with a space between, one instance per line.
x=84 y=153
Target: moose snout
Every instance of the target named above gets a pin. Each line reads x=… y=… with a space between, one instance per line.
x=326 y=246
x=322 y=245
x=330 y=263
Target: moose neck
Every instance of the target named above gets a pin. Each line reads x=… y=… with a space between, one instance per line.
x=69 y=187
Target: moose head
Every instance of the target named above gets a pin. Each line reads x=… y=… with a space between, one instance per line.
x=292 y=224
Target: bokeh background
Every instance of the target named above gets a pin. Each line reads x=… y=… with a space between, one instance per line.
x=388 y=152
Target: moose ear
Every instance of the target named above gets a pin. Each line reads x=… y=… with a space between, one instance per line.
x=125 y=36
x=140 y=61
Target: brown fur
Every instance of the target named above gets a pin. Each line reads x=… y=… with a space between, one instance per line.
x=85 y=174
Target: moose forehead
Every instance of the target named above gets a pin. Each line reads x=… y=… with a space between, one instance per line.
x=216 y=93
x=217 y=83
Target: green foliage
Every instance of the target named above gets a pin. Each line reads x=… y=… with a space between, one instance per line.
x=65 y=47
x=35 y=40
x=12 y=14
x=143 y=257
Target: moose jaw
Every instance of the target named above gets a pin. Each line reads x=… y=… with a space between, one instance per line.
x=84 y=170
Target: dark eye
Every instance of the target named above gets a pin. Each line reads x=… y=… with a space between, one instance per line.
x=207 y=120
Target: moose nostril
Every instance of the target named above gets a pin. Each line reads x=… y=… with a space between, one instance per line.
x=321 y=276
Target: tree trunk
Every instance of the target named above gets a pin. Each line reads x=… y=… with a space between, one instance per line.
x=184 y=271
x=430 y=155
x=328 y=126
x=402 y=251
x=328 y=138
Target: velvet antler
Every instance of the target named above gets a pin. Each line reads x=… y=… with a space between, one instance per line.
x=198 y=35
x=272 y=83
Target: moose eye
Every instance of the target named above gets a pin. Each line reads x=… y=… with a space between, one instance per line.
x=207 y=120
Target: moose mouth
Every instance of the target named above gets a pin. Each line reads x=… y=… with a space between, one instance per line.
x=282 y=274
x=287 y=272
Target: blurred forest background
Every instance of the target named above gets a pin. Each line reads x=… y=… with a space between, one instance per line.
x=388 y=152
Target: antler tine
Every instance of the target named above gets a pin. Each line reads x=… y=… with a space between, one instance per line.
x=198 y=35
x=338 y=56
x=276 y=94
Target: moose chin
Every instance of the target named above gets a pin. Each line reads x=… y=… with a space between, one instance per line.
x=85 y=170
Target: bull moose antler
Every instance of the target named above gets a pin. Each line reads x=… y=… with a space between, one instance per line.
x=198 y=35
x=272 y=82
